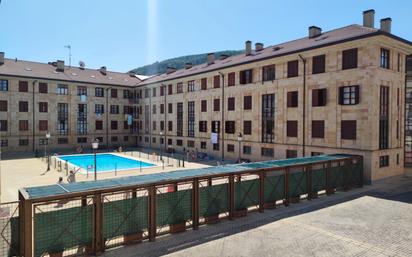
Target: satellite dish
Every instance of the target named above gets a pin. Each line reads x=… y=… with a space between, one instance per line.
x=82 y=64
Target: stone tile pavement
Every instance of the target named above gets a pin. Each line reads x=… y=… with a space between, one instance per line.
x=371 y=221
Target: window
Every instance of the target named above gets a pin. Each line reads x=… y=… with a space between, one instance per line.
x=268 y=152
x=125 y=125
x=154 y=109
x=292 y=99
x=319 y=97
x=216 y=147
x=3 y=125
x=269 y=73
x=62 y=89
x=179 y=142
x=162 y=90
x=127 y=109
x=247 y=127
x=247 y=149
x=384 y=161
x=191 y=119
x=349 y=95
x=191 y=86
x=3 y=106
x=385 y=58
x=43 y=141
x=170 y=89
x=4 y=85
x=203 y=145
x=99 y=108
x=318 y=129
x=245 y=77
x=114 y=109
x=216 y=126
x=99 y=125
x=162 y=108
x=23 y=142
x=247 y=102
x=292 y=128
x=190 y=143
x=170 y=108
x=230 y=127
x=43 y=88
x=113 y=125
x=153 y=125
x=293 y=68
x=399 y=62
x=43 y=125
x=125 y=138
x=170 y=125
x=179 y=88
x=81 y=90
x=203 y=84
x=170 y=141
x=179 y=119
x=315 y=153
x=202 y=126
x=43 y=107
x=350 y=59
x=23 y=125
x=23 y=106
x=348 y=129
x=216 y=81
x=384 y=117
x=203 y=106
x=162 y=125
x=268 y=118
x=231 y=79
x=126 y=94
x=23 y=86
x=318 y=64
x=154 y=92
x=62 y=140
x=82 y=140
x=99 y=92
x=230 y=148
x=113 y=93
x=231 y=104
x=291 y=154
x=216 y=105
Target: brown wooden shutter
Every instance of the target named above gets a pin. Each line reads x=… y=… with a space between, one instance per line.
x=292 y=128
x=323 y=93
x=315 y=97
x=318 y=129
x=203 y=84
x=348 y=129
x=247 y=127
x=216 y=81
x=357 y=94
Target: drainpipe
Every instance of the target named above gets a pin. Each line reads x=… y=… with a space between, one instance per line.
x=165 y=119
x=34 y=112
x=304 y=106
x=107 y=118
x=150 y=118
x=223 y=116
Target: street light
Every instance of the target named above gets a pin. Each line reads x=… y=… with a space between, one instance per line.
x=45 y=150
x=239 y=139
x=95 y=145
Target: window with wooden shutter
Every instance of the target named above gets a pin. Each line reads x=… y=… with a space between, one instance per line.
x=216 y=105
x=43 y=125
x=291 y=154
x=162 y=108
x=318 y=129
x=230 y=148
x=292 y=128
x=202 y=126
x=203 y=106
x=247 y=127
x=99 y=125
x=269 y=73
x=113 y=93
x=43 y=88
x=349 y=95
x=247 y=102
x=113 y=125
x=231 y=81
x=203 y=84
x=292 y=99
x=385 y=58
x=231 y=104
x=348 y=129
x=350 y=59
x=162 y=90
x=216 y=81
x=318 y=64
x=23 y=125
x=245 y=76
x=3 y=125
x=179 y=88
x=23 y=106
x=216 y=126
x=293 y=68
x=319 y=97
x=230 y=127
x=170 y=108
x=170 y=89
x=23 y=86
x=3 y=106
x=170 y=125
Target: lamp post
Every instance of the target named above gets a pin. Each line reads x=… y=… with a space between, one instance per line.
x=239 y=140
x=45 y=150
x=95 y=145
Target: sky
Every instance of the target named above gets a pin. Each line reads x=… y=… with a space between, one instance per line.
x=125 y=34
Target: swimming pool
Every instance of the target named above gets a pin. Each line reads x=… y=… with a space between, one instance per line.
x=105 y=162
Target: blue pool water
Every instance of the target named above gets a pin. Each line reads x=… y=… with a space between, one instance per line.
x=105 y=162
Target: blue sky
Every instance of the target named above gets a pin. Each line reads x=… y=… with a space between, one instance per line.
x=124 y=34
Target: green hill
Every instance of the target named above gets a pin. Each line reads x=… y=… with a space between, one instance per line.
x=178 y=62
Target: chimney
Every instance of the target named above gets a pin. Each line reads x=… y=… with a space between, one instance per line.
x=210 y=58
x=258 y=47
x=314 y=31
x=223 y=56
x=170 y=70
x=1 y=58
x=369 y=18
x=386 y=25
x=132 y=74
x=60 y=65
x=248 y=47
x=103 y=70
x=188 y=65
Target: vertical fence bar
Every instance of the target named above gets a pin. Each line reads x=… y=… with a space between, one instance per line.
x=98 y=246
x=262 y=191
x=287 y=187
x=231 y=196
x=328 y=175
x=152 y=213
x=26 y=226
x=195 y=206
x=308 y=169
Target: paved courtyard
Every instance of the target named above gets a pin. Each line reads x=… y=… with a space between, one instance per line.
x=371 y=221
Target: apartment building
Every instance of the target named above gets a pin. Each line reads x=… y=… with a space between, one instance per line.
x=74 y=104
x=408 y=115
x=340 y=91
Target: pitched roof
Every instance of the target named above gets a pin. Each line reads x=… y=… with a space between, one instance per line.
x=38 y=70
x=331 y=37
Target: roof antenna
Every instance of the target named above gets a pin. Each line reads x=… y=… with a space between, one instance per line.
x=70 y=54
